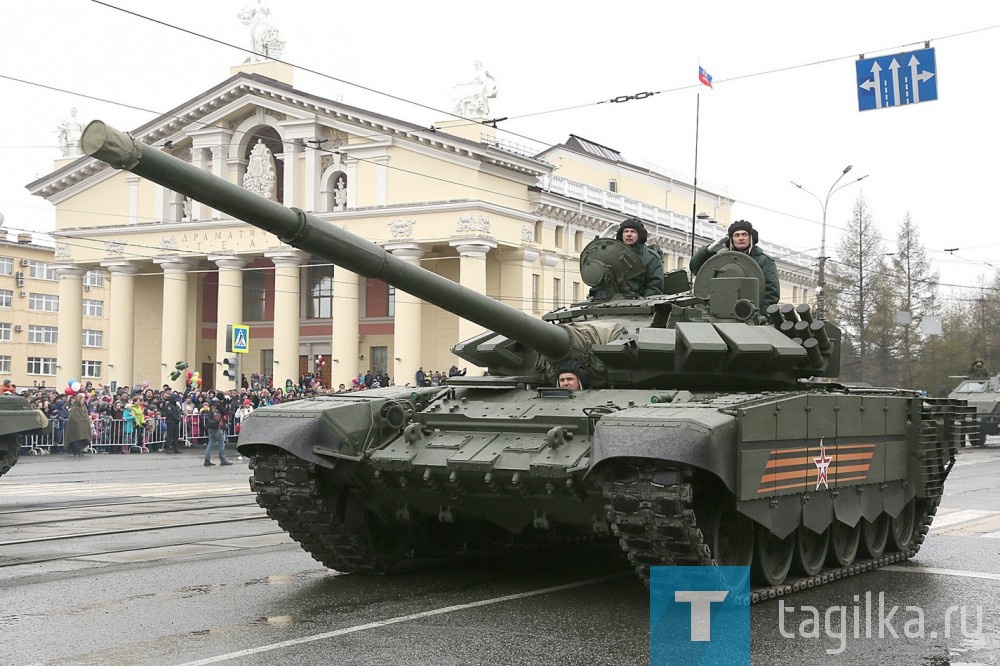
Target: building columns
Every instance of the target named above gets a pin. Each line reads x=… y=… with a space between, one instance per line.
x=472 y=276
x=69 y=350
x=229 y=309
x=407 y=341
x=121 y=323
x=344 y=362
x=174 y=325
x=286 y=314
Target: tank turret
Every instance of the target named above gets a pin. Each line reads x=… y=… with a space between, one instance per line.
x=709 y=337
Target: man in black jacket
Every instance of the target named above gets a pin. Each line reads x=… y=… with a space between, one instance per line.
x=172 y=414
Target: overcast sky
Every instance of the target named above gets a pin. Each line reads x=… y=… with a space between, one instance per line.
x=784 y=105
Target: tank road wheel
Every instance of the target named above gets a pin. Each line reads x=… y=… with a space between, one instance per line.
x=810 y=550
x=772 y=557
x=729 y=536
x=844 y=541
x=902 y=528
x=874 y=536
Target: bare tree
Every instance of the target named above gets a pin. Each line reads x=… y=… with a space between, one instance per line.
x=914 y=286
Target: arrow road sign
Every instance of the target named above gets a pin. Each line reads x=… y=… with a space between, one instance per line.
x=895 y=80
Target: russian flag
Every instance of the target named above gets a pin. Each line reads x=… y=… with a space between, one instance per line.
x=705 y=77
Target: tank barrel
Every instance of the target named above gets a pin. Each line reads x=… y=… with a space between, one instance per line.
x=309 y=233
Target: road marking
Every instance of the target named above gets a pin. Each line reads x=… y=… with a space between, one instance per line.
x=397 y=620
x=956 y=517
x=941 y=572
x=123 y=489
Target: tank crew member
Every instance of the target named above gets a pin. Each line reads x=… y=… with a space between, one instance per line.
x=633 y=233
x=571 y=376
x=978 y=371
x=742 y=237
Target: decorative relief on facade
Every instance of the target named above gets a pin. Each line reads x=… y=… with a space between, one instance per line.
x=326 y=162
x=401 y=228
x=261 y=176
x=168 y=243
x=334 y=139
x=114 y=248
x=183 y=153
x=63 y=251
x=527 y=234
x=472 y=224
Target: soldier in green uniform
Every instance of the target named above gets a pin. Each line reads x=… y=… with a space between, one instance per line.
x=633 y=233
x=742 y=237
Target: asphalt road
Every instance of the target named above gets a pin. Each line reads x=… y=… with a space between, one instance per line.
x=154 y=559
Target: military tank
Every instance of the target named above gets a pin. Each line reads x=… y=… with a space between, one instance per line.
x=710 y=432
x=17 y=419
x=983 y=395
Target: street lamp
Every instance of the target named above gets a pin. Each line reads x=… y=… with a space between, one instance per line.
x=821 y=295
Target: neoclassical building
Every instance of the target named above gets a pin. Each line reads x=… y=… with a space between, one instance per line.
x=451 y=198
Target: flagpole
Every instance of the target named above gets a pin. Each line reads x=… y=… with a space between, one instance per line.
x=694 y=199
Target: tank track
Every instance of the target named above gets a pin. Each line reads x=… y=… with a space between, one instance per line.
x=9 y=452
x=290 y=490
x=657 y=526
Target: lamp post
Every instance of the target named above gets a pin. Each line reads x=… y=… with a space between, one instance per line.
x=821 y=295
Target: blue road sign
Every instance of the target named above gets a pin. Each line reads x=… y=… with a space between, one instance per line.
x=895 y=80
x=237 y=338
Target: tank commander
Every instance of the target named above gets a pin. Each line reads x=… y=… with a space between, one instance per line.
x=633 y=233
x=978 y=371
x=571 y=376
x=742 y=237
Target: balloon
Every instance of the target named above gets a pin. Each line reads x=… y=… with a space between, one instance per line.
x=189 y=373
x=69 y=391
x=199 y=382
x=71 y=382
x=75 y=385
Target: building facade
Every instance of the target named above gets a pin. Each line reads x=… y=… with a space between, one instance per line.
x=450 y=198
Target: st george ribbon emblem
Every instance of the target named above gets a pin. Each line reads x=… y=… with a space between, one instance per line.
x=822 y=463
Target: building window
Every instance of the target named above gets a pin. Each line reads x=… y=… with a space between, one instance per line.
x=38 y=365
x=92 y=338
x=556 y=293
x=6 y=298
x=6 y=266
x=392 y=301
x=536 y=295
x=680 y=262
x=94 y=278
x=93 y=307
x=613 y=185
x=43 y=335
x=319 y=292
x=576 y=292
x=578 y=241
x=43 y=302
x=538 y=231
x=91 y=369
x=254 y=296
x=4 y=365
x=267 y=362
x=6 y=332
x=42 y=271
x=560 y=237
x=379 y=359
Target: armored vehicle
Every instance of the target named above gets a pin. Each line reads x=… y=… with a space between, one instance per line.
x=702 y=437
x=17 y=419
x=983 y=395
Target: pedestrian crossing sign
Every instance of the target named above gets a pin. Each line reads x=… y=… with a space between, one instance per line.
x=239 y=338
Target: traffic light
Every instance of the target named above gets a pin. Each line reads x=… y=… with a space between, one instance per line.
x=230 y=370
x=179 y=367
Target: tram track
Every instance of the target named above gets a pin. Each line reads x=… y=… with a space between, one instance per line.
x=130 y=500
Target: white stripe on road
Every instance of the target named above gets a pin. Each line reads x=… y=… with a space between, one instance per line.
x=955 y=517
x=941 y=572
x=397 y=620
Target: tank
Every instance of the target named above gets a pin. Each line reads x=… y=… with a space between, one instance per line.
x=983 y=395
x=711 y=432
x=17 y=420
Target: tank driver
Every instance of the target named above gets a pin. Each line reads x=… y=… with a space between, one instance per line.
x=571 y=376
x=978 y=370
x=633 y=233
x=742 y=237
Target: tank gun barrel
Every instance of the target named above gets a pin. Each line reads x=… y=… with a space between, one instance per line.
x=309 y=233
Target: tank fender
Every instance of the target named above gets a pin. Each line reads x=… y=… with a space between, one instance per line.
x=780 y=515
x=297 y=435
x=703 y=438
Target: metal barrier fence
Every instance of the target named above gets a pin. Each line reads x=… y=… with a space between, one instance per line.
x=121 y=436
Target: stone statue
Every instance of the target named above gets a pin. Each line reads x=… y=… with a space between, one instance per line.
x=264 y=40
x=69 y=131
x=261 y=176
x=340 y=194
x=472 y=99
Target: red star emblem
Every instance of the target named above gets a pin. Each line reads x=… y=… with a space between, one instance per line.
x=822 y=463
